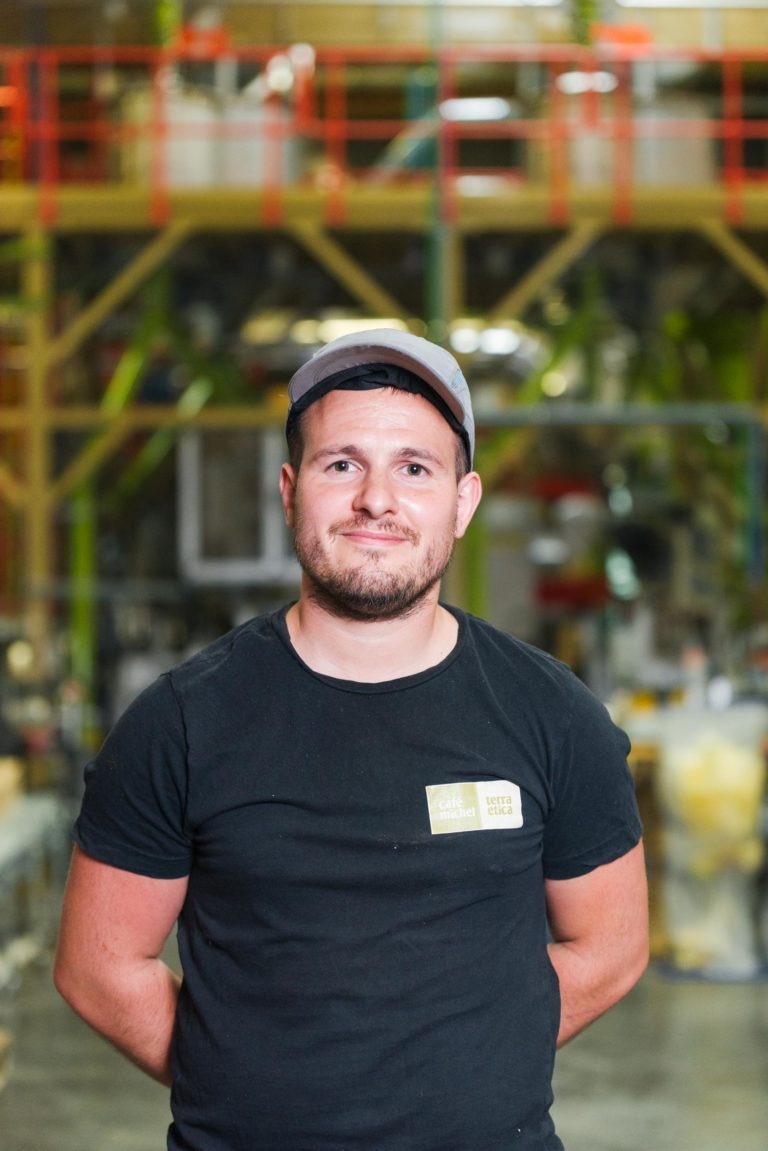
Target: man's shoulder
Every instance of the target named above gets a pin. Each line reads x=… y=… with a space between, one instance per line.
x=491 y=643
x=246 y=643
x=520 y=674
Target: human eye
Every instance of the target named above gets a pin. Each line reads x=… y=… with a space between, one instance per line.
x=341 y=467
x=414 y=470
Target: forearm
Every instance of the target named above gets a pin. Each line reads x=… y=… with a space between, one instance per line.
x=133 y=1008
x=114 y=926
x=599 y=927
x=587 y=988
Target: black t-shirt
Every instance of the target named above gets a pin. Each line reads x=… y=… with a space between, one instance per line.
x=364 y=935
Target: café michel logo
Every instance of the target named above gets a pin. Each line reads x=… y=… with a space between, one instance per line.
x=484 y=806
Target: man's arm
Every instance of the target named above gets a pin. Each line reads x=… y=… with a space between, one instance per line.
x=599 y=927
x=114 y=925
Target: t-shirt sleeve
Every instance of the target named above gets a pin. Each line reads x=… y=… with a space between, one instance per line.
x=133 y=809
x=594 y=817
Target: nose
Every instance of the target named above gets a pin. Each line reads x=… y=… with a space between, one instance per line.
x=375 y=495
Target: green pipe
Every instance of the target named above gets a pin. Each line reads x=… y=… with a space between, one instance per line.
x=474 y=567
x=159 y=444
x=755 y=528
x=169 y=17
x=82 y=555
x=84 y=513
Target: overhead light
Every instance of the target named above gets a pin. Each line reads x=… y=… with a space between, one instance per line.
x=620 y=501
x=548 y=551
x=577 y=83
x=578 y=507
x=279 y=73
x=720 y=693
x=622 y=575
x=468 y=335
x=465 y=340
x=267 y=327
x=499 y=341
x=302 y=56
x=474 y=185
x=332 y=328
x=305 y=332
x=554 y=384
x=20 y=658
x=475 y=108
x=322 y=329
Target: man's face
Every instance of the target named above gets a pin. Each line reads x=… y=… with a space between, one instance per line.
x=375 y=506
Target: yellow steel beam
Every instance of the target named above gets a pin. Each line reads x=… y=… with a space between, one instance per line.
x=126 y=282
x=347 y=270
x=114 y=402
x=12 y=489
x=13 y=419
x=547 y=271
x=87 y=462
x=747 y=261
x=138 y=416
x=119 y=208
x=146 y=417
x=37 y=278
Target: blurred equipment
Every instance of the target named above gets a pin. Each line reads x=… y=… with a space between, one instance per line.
x=711 y=785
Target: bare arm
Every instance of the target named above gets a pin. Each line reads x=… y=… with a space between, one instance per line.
x=114 y=925
x=599 y=925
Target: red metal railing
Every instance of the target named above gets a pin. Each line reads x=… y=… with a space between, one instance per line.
x=621 y=117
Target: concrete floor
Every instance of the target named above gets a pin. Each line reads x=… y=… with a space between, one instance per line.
x=678 y=1066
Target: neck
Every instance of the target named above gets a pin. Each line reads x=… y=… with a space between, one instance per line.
x=371 y=651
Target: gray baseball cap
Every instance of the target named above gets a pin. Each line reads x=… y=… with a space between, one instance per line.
x=433 y=365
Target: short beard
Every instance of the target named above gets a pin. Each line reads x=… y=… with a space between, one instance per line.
x=366 y=595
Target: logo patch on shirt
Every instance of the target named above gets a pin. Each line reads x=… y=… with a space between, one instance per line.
x=484 y=806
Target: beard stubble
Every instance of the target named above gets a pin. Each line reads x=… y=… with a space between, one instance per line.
x=368 y=591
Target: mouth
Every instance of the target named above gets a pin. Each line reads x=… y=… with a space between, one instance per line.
x=369 y=539
x=382 y=536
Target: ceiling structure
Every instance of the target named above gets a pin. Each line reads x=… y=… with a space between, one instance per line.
x=493 y=221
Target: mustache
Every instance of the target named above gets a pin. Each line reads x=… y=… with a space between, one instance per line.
x=364 y=524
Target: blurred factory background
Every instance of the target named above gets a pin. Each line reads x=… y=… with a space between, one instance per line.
x=570 y=194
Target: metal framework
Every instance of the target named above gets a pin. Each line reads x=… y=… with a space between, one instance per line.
x=570 y=153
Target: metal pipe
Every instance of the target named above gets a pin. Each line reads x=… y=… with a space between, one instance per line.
x=575 y=414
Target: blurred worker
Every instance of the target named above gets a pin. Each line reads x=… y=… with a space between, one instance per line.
x=365 y=810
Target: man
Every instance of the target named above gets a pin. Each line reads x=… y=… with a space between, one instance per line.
x=365 y=811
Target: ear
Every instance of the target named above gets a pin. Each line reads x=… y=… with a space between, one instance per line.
x=288 y=492
x=469 y=492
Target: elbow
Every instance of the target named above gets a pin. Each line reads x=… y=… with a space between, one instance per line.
x=622 y=969
x=634 y=974
x=64 y=981
x=642 y=959
x=618 y=979
x=640 y=953
x=71 y=987
x=634 y=964
x=81 y=992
